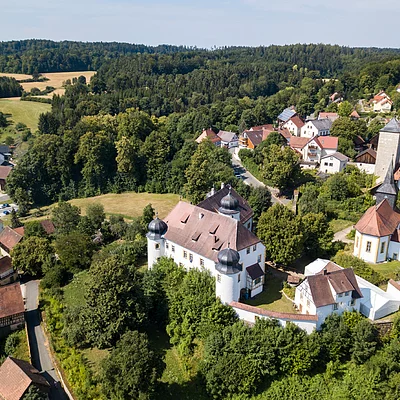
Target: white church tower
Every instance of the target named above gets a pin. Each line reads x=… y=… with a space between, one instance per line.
x=227 y=286
x=155 y=241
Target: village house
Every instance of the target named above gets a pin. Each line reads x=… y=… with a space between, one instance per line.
x=382 y=102
x=5 y=155
x=17 y=376
x=294 y=125
x=316 y=127
x=211 y=135
x=7 y=272
x=12 y=308
x=251 y=139
x=4 y=172
x=328 y=115
x=333 y=163
x=228 y=139
x=365 y=161
x=355 y=116
x=286 y=115
x=319 y=147
x=195 y=237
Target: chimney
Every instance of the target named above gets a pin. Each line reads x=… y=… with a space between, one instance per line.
x=212 y=191
x=325 y=271
x=201 y=215
x=222 y=185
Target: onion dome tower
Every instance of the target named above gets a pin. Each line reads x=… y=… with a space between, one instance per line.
x=228 y=275
x=157 y=228
x=230 y=206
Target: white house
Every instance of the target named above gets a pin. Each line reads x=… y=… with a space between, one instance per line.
x=294 y=125
x=316 y=127
x=195 y=237
x=374 y=302
x=228 y=139
x=286 y=114
x=330 y=290
x=318 y=147
x=382 y=102
x=333 y=163
x=328 y=115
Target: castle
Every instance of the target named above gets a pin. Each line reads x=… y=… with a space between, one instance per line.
x=216 y=236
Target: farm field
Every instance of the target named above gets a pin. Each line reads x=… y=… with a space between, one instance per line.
x=26 y=112
x=55 y=79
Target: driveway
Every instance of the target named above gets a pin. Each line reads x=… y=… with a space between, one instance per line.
x=40 y=353
x=251 y=180
x=341 y=235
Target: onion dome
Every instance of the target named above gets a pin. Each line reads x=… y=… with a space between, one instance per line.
x=229 y=204
x=228 y=262
x=157 y=228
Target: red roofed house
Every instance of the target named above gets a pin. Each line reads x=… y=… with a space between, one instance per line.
x=328 y=115
x=7 y=272
x=294 y=125
x=209 y=134
x=377 y=236
x=17 y=376
x=318 y=147
x=382 y=102
x=12 y=308
x=9 y=238
x=251 y=139
x=4 y=172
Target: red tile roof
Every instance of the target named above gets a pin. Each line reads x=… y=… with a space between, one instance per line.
x=355 y=114
x=15 y=378
x=213 y=231
x=328 y=115
x=4 y=171
x=298 y=142
x=210 y=134
x=380 y=220
x=274 y=314
x=9 y=238
x=266 y=127
x=11 y=301
x=297 y=121
x=327 y=142
x=20 y=230
x=48 y=226
x=5 y=264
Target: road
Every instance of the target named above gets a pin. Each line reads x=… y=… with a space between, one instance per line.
x=41 y=358
x=251 y=180
x=341 y=235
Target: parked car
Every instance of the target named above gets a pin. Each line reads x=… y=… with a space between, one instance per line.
x=6 y=212
x=5 y=205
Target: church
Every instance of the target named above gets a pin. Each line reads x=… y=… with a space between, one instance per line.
x=214 y=235
x=377 y=236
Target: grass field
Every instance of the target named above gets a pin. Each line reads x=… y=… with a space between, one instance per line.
x=389 y=269
x=55 y=79
x=339 y=224
x=26 y=112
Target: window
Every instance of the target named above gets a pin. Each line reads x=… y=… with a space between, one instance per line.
x=259 y=258
x=219 y=278
x=201 y=262
x=301 y=295
x=395 y=256
x=368 y=248
x=157 y=246
x=353 y=302
x=190 y=257
x=331 y=164
x=340 y=294
x=257 y=281
x=335 y=307
x=158 y=259
x=331 y=158
x=239 y=278
x=184 y=254
x=383 y=247
x=248 y=250
x=248 y=225
x=255 y=247
x=325 y=163
x=173 y=248
x=167 y=245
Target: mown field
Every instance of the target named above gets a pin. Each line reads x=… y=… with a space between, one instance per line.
x=55 y=79
x=26 y=112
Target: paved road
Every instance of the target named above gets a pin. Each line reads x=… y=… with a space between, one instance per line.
x=251 y=180
x=38 y=343
x=4 y=197
x=341 y=235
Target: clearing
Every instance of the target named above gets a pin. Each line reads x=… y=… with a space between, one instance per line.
x=55 y=79
x=389 y=269
x=26 y=112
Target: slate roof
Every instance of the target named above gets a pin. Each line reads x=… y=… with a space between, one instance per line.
x=11 y=301
x=10 y=238
x=4 y=171
x=205 y=232
x=388 y=186
x=4 y=149
x=393 y=126
x=213 y=203
x=5 y=264
x=286 y=114
x=15 y=378
x=322 y=124
x=255 y=271
x=341 y=281
x=380 y=220
x=337 y=155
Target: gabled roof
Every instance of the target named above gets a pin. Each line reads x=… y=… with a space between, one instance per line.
x=328 y=115
x=380 y=220
x=339 y=156
x=393 y=126
x=11 y=301
x=371 y=152
x=205 y=232
x=355 y=114
x=267 y=127
x=256 y=137
x=298 y=142
x=4 y=149
x=48 y=226
x=255 y=271
x=10 y=238
x=226 y=136
x=297 y=121
x=15 y=378
x=5 y=264
x=4 y=171
x=286 y=114
x=213 y=203
x=210 y=134
x=322 y=124
x=326 y=142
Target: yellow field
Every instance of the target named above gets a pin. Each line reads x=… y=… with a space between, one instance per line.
x=56 y=80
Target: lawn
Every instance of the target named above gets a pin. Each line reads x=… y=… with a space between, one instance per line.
x=272 y=298
x=389 y=269
x=339 y=224
x=74 y=291
x=26 y=112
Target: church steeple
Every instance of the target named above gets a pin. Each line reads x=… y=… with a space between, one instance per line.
x=388 y=190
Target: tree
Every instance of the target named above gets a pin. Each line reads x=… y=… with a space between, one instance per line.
x=33 y=255
x=3 y=120
x=74 y=250
x=365 y=341
x=317 y=235
x=15 y=221
x=95 y=213
x=114 y=302
x=345 y=109
x=131 y=370
x=280 y=231
x=34 y=228
x=147 y=216
x=281 y=166
x=260 y=201
x=34 y=393
x=65 y=217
